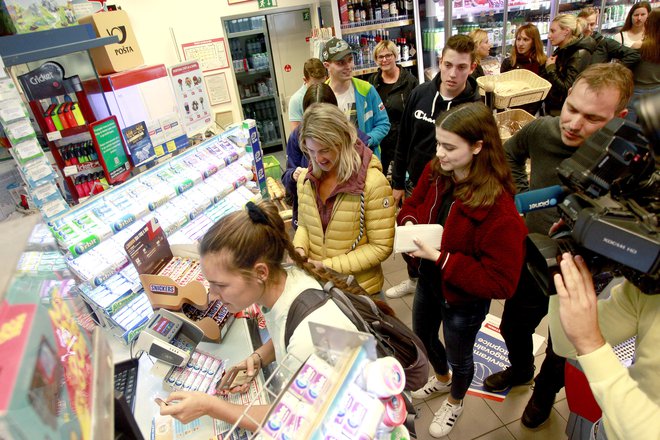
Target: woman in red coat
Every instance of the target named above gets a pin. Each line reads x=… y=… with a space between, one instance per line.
x=468 y=189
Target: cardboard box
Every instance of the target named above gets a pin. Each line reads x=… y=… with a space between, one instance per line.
x=125 y=54
x=149 y=251
x=23 y=16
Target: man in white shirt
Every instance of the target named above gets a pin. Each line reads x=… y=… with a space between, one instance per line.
x=313 y=73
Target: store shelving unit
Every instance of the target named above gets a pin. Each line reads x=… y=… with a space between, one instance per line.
x=186 y=194
x=69 y=46
x=358 y=34
x=251 y=54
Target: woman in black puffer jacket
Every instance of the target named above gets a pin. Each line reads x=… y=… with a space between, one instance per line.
x=572 y=56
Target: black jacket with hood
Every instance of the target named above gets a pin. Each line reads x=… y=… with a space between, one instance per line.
x=609 y=49
x=416 y=144
x=394 y=102
x=571 y=60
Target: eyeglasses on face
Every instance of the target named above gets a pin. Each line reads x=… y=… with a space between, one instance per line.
x=385 y=56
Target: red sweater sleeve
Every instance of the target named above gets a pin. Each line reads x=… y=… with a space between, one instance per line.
x=409 y=212
x=494 y=274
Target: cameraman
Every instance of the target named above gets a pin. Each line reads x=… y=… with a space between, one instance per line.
x=599 y=94
x=585 y=328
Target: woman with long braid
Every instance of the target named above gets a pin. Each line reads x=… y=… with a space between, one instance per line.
x=242 y=257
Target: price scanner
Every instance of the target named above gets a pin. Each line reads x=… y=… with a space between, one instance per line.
x=169 y=338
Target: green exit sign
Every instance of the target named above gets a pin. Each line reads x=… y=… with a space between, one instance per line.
x=263 y=4
x=306 y=15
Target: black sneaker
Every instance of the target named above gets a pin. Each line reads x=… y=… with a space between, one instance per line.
x=502 y=380
x=538 y=409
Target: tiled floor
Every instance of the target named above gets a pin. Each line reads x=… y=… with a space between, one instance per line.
x=482 y=419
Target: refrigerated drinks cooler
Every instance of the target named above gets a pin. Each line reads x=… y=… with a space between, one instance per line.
x=501 y=18
x=251 y=55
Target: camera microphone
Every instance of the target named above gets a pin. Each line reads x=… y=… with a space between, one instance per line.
x=540 y=198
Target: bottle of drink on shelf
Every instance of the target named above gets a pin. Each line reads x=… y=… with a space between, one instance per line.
x=363 y=12
x=385 y=9
x=405 y=50
x=409 y=7
x=394 y=9
x=351 y=12
x=378 y=10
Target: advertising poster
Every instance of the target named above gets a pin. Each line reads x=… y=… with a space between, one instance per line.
x=138 y=143
x=110 y=148
x=191 y=98
x=211 y=54
x=490 y=356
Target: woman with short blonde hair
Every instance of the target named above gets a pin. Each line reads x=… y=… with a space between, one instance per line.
x=571 y=56
x=393 y=84
x=481 y=50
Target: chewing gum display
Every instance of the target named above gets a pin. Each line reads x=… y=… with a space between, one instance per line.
x=312 y=379
x=356 y=415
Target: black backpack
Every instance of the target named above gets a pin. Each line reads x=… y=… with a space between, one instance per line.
x=393 y=337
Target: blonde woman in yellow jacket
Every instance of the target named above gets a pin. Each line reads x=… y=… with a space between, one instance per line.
x=345 y=205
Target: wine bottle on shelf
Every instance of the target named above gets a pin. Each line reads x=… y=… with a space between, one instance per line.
x=409 y=7
x=351 y=12
x=363 y=12
x=405 y=50
x=385 y=9
x=394 y=10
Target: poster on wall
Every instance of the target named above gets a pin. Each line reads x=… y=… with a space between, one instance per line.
x=191 y=98
x=210 y=54
x=218 y=88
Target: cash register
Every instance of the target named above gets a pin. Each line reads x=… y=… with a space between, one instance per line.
x=169 y=338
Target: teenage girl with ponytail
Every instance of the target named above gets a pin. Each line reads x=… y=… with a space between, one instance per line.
x=242 y=257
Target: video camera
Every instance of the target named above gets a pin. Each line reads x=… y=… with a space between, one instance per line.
x=612 y=206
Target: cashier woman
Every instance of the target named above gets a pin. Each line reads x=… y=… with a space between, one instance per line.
x=242 y=257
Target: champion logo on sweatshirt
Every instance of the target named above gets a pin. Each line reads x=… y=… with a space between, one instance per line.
x=419 y=114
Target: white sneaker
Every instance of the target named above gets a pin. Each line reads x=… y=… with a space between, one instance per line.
x=444 y=419
x=433 y=386
x=402 y=289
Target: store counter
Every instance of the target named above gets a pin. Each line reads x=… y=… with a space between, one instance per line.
x=238 y=344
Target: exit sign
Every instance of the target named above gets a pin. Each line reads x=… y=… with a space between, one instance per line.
x=305 y=15
x=263 y=4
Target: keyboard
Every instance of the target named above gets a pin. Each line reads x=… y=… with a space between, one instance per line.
x=126 y=374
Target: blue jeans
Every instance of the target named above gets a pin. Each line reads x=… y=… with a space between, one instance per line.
x=460 y=326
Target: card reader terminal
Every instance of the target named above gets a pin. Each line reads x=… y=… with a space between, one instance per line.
x=169 y=338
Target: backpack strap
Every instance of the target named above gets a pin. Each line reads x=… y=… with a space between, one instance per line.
x=301 y=307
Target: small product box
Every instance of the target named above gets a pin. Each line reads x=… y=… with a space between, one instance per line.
x=123 y=55
x=172 y=280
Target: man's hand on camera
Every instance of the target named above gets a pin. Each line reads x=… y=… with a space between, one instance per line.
x=578 y=310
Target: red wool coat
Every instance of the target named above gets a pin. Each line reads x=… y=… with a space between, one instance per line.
x=482 y=250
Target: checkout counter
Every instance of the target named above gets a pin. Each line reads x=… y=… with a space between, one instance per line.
x=60 y=380
x=240 y=341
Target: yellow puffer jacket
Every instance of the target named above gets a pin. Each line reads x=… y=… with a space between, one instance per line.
x=333 y=247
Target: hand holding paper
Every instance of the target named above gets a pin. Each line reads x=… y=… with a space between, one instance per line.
x=429 y=235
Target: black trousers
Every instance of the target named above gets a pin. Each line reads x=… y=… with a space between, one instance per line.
x=522 y=314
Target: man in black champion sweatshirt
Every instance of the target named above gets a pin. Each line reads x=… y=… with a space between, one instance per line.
x=450 y=87
x=416 y=145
